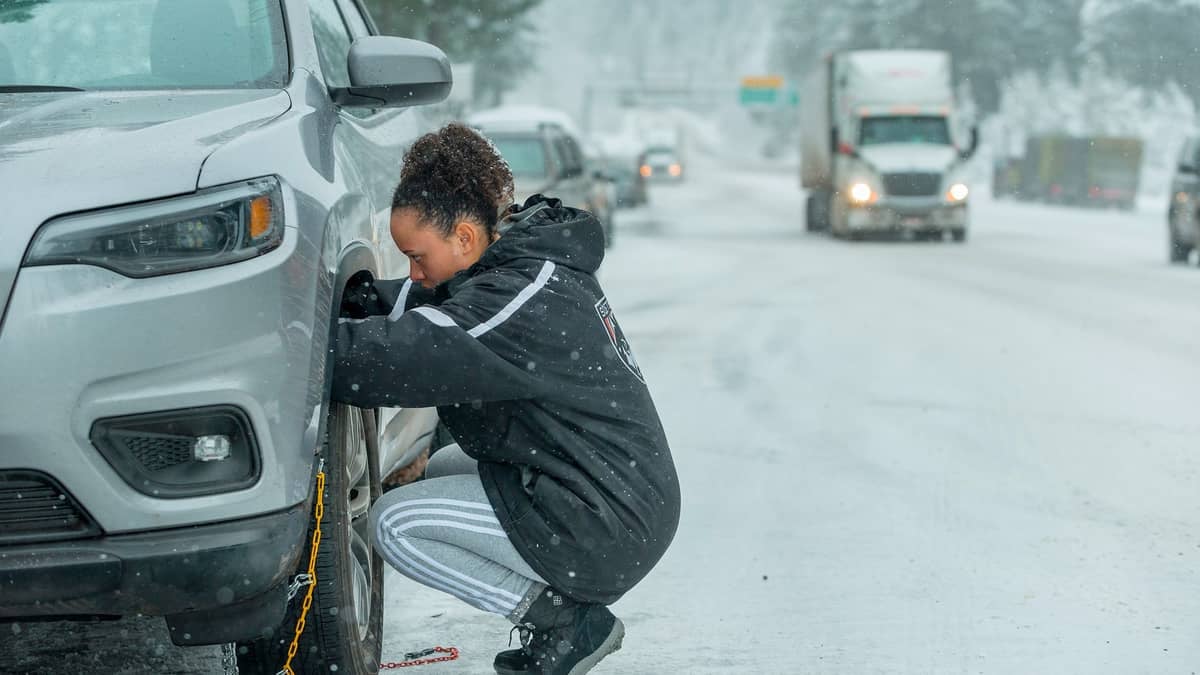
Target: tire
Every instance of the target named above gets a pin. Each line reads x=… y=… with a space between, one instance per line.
x=959 y=235
x=1177 y=251
x=816 y=212
x=344 y=624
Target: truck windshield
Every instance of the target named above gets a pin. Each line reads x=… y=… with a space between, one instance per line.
x=526 y=156
x=141 y=44
x=904 y=129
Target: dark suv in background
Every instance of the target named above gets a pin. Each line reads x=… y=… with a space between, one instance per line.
x=1183 y=215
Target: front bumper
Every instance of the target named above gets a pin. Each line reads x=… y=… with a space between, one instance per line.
x=153 y=573
x=80 y=343
x=908 y=214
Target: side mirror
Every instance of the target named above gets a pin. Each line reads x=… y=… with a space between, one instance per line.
x=972 y=146
x=394 y=72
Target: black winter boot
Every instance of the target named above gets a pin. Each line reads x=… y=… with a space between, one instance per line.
x=567 y=638
x=516 y=661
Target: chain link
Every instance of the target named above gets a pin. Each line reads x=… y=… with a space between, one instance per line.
x=229 y=658
x=415 y=658
x=308 y=579
x=299 y=582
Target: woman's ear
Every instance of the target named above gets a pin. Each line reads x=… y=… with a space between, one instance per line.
x=465 y=237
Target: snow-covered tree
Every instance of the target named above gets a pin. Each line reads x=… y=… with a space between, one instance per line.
x=497 y=36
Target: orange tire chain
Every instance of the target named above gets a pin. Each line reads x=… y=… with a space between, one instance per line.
x=413 y=659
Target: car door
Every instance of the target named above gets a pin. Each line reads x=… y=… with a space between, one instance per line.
x=368 y=147
x=572 y=185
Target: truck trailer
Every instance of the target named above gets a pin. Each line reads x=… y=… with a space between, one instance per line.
x=883 y=147
x=1077 y=171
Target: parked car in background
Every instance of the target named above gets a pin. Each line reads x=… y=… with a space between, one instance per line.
x=624 y=159
x=662 y=163
x=1183 y=214
x=604 y=188
x=196 y=190
x=544 y=151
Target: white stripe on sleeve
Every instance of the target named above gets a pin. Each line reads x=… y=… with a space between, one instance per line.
x=398 y=309
x=435 y=316
x=517 y=302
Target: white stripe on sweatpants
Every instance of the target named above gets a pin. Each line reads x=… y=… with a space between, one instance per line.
x=399 y=518
x=413 y=569
x=430 y=577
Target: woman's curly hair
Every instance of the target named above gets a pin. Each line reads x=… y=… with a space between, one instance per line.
x=454 y=174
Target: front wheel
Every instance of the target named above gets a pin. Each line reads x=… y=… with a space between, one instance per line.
x=1177 y=250
x=959 y=234
x=816 y=212
x=343 y=625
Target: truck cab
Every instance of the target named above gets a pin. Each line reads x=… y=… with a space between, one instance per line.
x=883 y=148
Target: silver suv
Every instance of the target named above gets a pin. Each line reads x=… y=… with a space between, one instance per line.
x=187 y=190
x=546 y=156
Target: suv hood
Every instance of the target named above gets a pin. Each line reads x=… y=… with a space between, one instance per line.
x=74 y=151
x=909 y=157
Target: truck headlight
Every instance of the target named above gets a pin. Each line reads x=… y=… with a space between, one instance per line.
x=210 y=228
x=957 y=193
x=861 y=193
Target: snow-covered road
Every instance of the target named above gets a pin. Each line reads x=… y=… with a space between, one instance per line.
x=895 y=457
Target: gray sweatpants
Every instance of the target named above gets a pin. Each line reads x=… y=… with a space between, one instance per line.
x=443 y=533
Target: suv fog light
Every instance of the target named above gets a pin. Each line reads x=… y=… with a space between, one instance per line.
x=211 y=448
x=181 y=453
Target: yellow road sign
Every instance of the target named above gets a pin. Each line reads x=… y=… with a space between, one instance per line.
x=762 y=82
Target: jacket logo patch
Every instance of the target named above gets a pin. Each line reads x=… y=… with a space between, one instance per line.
x=620 y=345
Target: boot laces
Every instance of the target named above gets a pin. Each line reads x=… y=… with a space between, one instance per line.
x=525 y=635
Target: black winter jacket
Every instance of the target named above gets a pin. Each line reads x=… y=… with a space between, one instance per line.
x=532 y=375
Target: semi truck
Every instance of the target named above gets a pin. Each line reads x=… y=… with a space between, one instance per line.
x=1099 y=171
x=883 y=145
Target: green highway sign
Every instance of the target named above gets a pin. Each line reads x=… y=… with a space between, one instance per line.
x=766 y=90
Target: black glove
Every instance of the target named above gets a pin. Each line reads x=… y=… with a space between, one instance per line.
x=359 y=295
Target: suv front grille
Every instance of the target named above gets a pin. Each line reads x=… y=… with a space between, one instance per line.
x=160 y=451
x=34 y=507
x=912 y=184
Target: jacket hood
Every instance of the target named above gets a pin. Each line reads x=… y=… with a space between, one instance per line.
x=543 y=229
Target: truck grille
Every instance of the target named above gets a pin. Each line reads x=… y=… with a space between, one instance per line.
x=33 y=507
x=912 y=184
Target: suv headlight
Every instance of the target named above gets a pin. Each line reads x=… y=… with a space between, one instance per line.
x=210 y=228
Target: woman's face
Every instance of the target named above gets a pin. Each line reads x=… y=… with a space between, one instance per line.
x=433 y=257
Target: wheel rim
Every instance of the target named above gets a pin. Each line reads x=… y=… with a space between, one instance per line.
x=358 y=505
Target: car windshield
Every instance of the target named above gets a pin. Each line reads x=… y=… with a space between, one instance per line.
x=660 y=157
x=526 y=156
x=142 y=44
x=905 y=129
